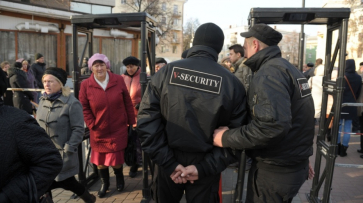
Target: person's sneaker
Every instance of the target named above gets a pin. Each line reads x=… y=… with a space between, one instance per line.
x=360 y=150
x=361 y=156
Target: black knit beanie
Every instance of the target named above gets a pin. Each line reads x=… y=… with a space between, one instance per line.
x=209 y=34
x=58 y=73
x=131 y=60
x=38 y=56
x=18 y=65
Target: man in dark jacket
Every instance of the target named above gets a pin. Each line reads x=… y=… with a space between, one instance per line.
x=353 y=85
x=38 y=69
x=183 y=104
x=25 y=150
x=17 y=79
x=280 y=136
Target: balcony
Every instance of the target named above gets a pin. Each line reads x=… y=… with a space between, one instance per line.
x=175 y=41
x=177 y=14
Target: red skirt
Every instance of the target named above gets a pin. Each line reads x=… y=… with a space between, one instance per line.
x=108 y=159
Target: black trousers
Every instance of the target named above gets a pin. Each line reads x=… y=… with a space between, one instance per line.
x=69 y=184
x=275 y=187
x=203 y=190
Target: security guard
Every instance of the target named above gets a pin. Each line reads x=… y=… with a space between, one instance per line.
x=183 y=104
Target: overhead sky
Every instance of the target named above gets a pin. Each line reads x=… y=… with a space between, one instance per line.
x=235 y=12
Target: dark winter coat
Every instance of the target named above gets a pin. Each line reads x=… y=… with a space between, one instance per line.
x=242 y=72
x=183 y=104
x=107 y=113
x=32 y=83
x=8 y=95
x=355 y=80
x=63 y=121
x=281 y=132
x=21 y=99
x=38 y=71
x=25 y=149
x=3 y=84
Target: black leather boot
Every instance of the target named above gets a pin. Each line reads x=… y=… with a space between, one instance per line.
x=105 y=179
x=120 y=181
x=87 y=197
x=343 y=151
x=133 y=171
x=339 y=148
x=361 y=145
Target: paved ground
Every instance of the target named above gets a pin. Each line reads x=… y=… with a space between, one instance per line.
x=347 y=183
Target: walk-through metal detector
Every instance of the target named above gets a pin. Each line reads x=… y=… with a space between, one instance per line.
x=139 y=22
x=336 y=19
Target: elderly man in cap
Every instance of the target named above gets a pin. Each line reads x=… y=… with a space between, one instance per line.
x=159 y=63
x=280 y=136
x=182 y=105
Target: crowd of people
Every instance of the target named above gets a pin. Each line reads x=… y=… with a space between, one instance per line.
x=194 y=118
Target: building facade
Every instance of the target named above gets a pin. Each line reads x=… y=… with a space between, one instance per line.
x=169 y=14
x=31 y=26
x=355 y=29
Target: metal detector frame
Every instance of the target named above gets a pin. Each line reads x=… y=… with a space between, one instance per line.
x=335 y=19
x=145 y=24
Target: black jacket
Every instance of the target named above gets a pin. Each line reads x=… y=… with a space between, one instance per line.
x=3 y=84
x=282 y=128
x=355 y=81
x=25 y=148
x=179 y=115
x=8 y=95
x=38 y=71
x=21 y=99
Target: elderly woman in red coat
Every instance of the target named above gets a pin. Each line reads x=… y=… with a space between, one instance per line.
x=132 y=80
x=107 y=111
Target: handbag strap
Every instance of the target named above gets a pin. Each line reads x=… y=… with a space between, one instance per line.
x=350 y=88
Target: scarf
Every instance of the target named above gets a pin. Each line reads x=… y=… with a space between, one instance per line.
x=52 y=97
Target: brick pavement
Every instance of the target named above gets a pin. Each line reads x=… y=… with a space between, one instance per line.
x=347 y=183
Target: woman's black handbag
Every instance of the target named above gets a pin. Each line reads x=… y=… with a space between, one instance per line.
x=33 y=193
x=130 y=151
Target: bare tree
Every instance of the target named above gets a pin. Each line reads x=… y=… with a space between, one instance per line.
x=159 y=10
x=188 y=32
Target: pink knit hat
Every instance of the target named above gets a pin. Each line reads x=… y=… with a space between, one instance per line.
x=98 y=57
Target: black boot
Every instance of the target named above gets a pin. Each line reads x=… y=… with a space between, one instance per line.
x=120 y=181
x=133 y=171
x=87 y=197
x=339 y=148
x=343 y=151
x=105 y=179
x=361 y=145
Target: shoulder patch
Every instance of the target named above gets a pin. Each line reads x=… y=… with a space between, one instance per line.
x=303 y=87
x=196 y=80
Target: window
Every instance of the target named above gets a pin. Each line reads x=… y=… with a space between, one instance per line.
x=174 y=49
x=175 y=22
x=309 y=56
x=162 y=49
x=163 y=6
x=123 y=1
x=81 y=42
x=81 y=7
x=163 y=20
x=359 y=51
x=175 y=9
x=7 y=48
x=175 y=36
x=31 y=43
